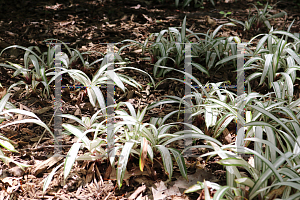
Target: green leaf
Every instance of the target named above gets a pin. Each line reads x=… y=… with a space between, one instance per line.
x=180 y=162
x=294 y=55
x=122 y=164
x=99 y=97
x=282 y=183
x=48 y=179
x=206 y=191
x=271 y=170
x=116 y=79
x=268 y=65
x=35 y=63
x=219 y=27
x=194 y=188
x=286 y=34
x=183 y=29
x=3 y=101
x=7 y=145
x=232 y=57
x=72 y=117
x=278 y=15
x=238 y=21
x=245 y=181
x=167 y=160
x=70 y=159
x=265 y=112
x=142 y=114
x=78 y=133
x=192 y=135
x=260 y=43
x=186 y=2
x=271 y=146
x=221 y=192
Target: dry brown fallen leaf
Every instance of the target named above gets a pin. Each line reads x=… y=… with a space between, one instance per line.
x=42 y=110
x=16 y=171
x=210 y=21
x=128 y=174
x=41 y=166
x=137 y=192
x=162 y=192
x=227 y=136
x=275 y=193
x=2 y=92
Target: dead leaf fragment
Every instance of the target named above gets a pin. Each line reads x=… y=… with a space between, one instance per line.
x=137 y=192
x=211 y=22
x=136 y=7
x=90 y=173
x=158 y=195
x=227 y=136
x=2 y=92
x=251 y=161
x=148 y=90
x=42 y=110
x=148 y=18
x=16 y=171
x=27 y=131
x=41 y=166
x=161 y=191
x=108 y=172
x=130 y=94
x=144 y=154
x=275 y=193
x=11 y=34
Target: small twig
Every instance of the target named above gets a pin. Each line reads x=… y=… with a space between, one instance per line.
x=108 y=195
x=137 y=192
x=45 y=129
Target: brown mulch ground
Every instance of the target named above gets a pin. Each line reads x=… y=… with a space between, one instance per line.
x=88 y=25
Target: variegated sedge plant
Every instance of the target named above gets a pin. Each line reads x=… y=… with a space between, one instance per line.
x=151 y=139
x=272 y=125
x=91 y=125
x=36 y=64
x=272 y=55
x=259 y=19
